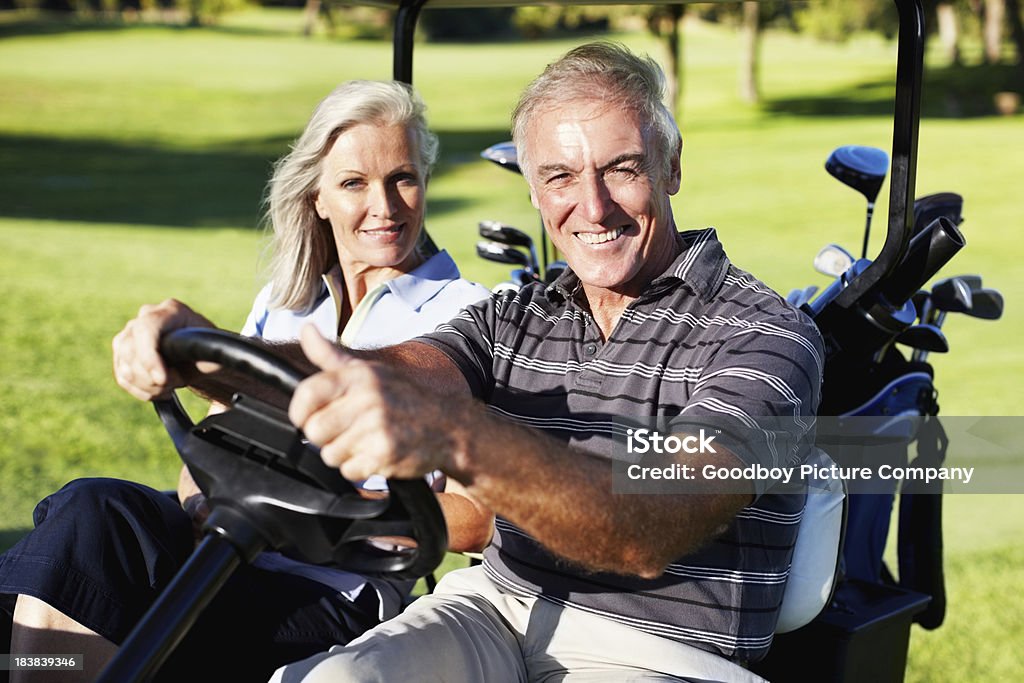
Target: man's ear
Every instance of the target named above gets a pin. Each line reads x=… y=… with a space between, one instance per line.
x=533 y=199
x=675 y=176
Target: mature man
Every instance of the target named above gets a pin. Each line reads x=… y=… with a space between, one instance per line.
x=516 y=399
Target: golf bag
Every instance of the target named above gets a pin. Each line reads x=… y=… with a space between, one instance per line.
x=904 y=407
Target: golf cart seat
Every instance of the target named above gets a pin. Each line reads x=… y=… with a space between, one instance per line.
x=815 y=567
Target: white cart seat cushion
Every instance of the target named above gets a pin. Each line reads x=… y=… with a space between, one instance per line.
x=812 y=573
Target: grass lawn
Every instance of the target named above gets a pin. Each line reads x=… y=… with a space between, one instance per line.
x=132 y=161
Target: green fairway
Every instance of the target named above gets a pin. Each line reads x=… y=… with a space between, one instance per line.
x=132 y=164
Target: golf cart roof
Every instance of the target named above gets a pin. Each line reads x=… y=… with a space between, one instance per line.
x=906 y=115
x=394 y=4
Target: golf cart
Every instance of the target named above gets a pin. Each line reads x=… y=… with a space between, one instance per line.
x=267 y=488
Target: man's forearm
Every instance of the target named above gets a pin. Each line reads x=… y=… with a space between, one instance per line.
x=554 y=493
x=375 y=418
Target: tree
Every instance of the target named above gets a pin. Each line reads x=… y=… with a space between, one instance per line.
x=1016 y=29
x=949 y=30
x=992 y=32
x=310 y=14
x=666 y=22
x=749 y=88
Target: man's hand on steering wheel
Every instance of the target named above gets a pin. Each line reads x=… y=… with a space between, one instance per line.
x=138 y=367
x=368 y=418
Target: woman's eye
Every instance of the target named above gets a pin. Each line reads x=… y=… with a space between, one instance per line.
x=353 y=184
x=407 y=179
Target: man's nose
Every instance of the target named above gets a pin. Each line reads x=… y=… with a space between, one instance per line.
x=595 y=201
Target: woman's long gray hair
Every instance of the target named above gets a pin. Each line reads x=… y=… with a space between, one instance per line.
x=302 y=243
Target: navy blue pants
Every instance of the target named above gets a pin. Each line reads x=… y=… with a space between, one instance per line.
x=104 y=549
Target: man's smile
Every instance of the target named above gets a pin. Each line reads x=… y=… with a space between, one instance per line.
x=600 y=237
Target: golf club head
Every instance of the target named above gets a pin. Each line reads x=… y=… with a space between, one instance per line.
x=952 y=295
x=930 y=207
x=499 y=253
x=798 y=297
x=504 y=234
x=523 y=276
x=555 y=268
x=924 y=338
x=833 y=260
x=503 y=154
x=861 y=167
x=920 y=301
x=987 y=304
x=972 y=281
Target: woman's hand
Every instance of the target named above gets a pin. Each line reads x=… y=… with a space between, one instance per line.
x=193 y=502
x=138 y=367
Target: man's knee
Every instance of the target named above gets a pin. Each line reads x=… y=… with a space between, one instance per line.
x=337 y=665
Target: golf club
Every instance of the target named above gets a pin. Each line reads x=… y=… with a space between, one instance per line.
x=798 y=297
x=987 y=304
x=951 y=295
x=930 y=207
x=508 y=235
x=924 y=338
x=833 y=260
x=500 y=253
x=972 y=281
x=920 y=301
x=504 y=154
x=862 y=168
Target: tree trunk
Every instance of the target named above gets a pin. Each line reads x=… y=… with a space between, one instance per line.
x=675 y=61
x=949 y=31
x=1016 y=29
x=195 y=13
x=665 y=22
x=995 y=11
x=749 y=90
x=310 y=13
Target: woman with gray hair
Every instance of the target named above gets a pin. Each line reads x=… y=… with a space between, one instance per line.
x=346 y=209
x=346 y=206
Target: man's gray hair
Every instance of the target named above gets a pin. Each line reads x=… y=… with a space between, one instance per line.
x=607 y=72
x=303 y=244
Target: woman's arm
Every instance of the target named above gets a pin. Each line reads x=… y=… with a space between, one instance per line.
x=470 y=523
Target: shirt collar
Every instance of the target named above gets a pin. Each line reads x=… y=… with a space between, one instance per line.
x=701 y=265
x=414 y=288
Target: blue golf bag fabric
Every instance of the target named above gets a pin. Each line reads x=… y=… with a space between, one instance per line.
x=908 y=408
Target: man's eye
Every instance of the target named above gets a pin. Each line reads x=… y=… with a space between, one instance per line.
x=624 y=172
x=558 y=179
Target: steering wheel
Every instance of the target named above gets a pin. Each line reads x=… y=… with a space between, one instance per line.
x=270 y=485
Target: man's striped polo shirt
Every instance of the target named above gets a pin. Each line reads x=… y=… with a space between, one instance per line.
x=704 y=341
